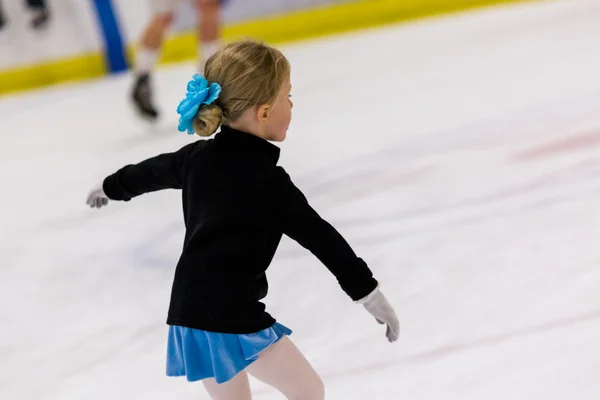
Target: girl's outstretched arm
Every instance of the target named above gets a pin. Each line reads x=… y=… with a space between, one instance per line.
x=289 y=212
x=164 y=171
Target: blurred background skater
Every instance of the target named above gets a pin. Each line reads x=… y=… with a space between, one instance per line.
x=39 y=8
x=41 y=14
x=2 y=16
x=208 y=27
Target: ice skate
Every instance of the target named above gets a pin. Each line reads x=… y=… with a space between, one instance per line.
x=142 y=97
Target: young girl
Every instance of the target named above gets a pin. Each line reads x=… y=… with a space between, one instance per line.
x=237 y=203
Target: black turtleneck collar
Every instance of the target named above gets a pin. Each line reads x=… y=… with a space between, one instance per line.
x=247 y=143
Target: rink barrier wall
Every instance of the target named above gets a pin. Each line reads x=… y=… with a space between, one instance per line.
x=293 y=26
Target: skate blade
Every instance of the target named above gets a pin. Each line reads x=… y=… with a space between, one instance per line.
x=142 y=115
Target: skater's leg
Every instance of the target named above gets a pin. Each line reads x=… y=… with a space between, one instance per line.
x=237 y=388
x=154 y=34
x=151 y=42
x=209 y=26
x=285 y=368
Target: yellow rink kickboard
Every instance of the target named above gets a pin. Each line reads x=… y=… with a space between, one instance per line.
x=293 y=26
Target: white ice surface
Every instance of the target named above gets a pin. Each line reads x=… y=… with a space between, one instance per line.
x=459 y=156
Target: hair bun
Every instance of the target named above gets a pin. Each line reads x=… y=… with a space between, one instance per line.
x=207 y=120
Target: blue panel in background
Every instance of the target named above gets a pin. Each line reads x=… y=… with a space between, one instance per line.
x=113 y=40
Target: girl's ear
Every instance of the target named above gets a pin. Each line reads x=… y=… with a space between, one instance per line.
x=263 y=113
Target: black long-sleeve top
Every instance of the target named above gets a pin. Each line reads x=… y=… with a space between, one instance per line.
x=237 y=203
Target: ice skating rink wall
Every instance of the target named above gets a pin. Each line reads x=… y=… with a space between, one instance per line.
x=85 y=36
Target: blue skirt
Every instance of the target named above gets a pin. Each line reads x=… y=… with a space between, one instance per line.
x=198 y=354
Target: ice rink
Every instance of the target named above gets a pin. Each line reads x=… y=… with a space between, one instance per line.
x=460 y=157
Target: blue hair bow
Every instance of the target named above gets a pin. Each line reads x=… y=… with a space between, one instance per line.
x=198 y=92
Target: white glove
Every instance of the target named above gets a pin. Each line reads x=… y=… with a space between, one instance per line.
x=376 y=304
x=97 y=198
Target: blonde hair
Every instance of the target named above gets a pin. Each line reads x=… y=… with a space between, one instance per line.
x=250 y=73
